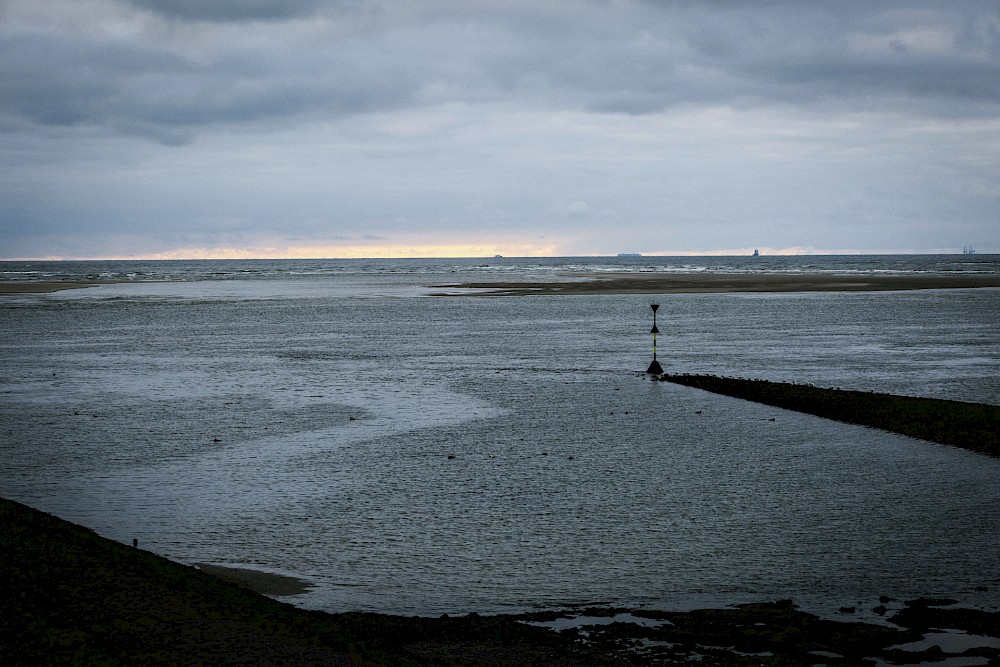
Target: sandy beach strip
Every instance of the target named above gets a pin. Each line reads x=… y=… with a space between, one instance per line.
x=686 y=283
x=44 y=287
x=265 y=583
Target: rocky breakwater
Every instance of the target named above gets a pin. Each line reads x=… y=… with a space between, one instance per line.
x=972 y=426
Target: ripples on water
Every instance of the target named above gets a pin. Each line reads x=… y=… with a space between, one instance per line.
x=448 y=455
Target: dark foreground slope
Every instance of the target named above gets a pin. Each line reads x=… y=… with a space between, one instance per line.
x=70 y=597
x=973 y=426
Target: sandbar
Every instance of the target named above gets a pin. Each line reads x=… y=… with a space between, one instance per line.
x=687 y=283
x=43 y=287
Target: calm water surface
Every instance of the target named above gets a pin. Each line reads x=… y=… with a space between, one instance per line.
x=427 y=455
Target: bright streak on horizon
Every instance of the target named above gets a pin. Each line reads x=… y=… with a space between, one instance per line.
x=424 y=250
x=388 y=251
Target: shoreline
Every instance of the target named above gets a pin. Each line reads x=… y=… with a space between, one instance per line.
x=694 y=283
x=74 y=597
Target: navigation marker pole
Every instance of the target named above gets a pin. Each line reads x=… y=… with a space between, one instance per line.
x=654 y=368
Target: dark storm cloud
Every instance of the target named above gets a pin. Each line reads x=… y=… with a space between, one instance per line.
x=881 y=51
x=230 y=10
x=56 y=81
x=640 y=59
x=875 y=56
x=657 y=56
x=133 y=88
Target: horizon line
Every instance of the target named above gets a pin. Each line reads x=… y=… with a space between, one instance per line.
x=159 y=257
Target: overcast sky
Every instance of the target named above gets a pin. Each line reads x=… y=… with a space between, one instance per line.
x=347 y=128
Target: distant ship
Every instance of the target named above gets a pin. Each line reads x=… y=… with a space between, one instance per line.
x=756 y=253
x=968 y=250
x=630 y=254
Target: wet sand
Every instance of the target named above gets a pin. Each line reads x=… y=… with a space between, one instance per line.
x=687 y=283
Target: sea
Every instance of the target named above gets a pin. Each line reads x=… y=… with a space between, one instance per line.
x=410 y=446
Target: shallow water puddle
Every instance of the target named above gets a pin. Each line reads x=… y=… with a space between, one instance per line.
x=952 y=643
x=583 y=621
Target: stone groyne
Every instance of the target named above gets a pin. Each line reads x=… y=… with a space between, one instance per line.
x=972 y=426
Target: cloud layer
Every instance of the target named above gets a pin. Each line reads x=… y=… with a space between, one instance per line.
x=133 y=128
